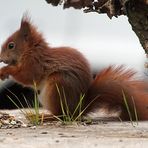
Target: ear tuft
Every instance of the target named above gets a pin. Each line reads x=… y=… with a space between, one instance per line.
x=25 y=28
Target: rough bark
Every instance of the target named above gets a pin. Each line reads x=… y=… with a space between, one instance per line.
x=135 y=10
x=137 y=13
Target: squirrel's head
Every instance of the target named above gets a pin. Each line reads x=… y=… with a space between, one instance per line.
x=25 y=38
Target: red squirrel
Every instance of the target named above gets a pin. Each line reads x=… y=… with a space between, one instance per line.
x=30 y=59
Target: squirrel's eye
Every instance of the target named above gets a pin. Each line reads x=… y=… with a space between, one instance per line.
x=11 y=45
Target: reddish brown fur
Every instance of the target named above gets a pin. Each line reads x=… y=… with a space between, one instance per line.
x=111 y=83
x=33 y=60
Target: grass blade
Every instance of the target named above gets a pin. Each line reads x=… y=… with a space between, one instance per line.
x=135 y=111
x=127 y=107
x=16 y=98
x=66 y=105
x=61 y=103
x=86 y=107
x=16 y=104
x=78 y=105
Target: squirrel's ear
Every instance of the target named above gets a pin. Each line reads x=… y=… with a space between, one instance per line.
x=25 y=29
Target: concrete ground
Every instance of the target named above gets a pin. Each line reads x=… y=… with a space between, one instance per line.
x=101 y=135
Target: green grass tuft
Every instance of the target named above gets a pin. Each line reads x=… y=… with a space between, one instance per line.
x=129 y=111
x=67 y=116
x=32 y=115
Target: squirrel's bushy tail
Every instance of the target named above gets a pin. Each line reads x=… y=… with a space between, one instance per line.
x=113 y=87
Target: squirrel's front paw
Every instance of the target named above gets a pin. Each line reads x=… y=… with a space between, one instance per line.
x=3 y=75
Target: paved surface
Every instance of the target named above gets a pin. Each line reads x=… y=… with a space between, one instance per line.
x=109 y=134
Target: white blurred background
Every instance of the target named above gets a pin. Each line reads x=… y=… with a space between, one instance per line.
x=101 y=40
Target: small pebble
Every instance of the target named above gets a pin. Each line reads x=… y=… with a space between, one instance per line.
x=24 y=125
x=57 y=141
x=9 y=133
x=44 y=133
x=13 y=122
x=33 y=127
